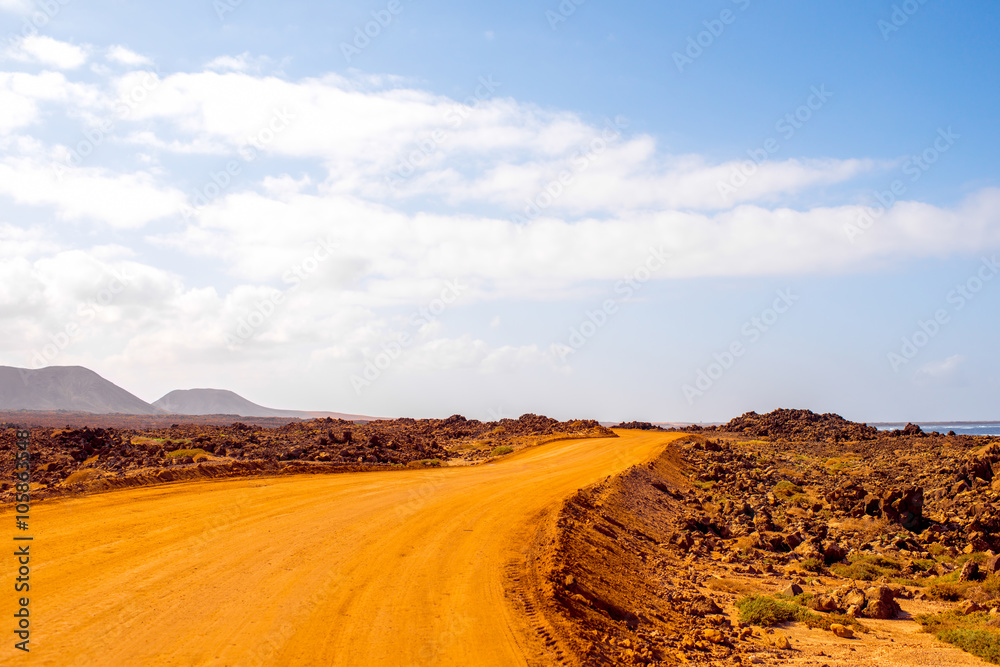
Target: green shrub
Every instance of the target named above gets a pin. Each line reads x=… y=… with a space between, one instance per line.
x=786 y=489
x=968 y=632
x=813 y=564
x=766 y=611
x=866 y=567
x=946 y=591
x=982 y=643
x=924 y=564
x=503 y=449
x=193 y=453
x=939 y=551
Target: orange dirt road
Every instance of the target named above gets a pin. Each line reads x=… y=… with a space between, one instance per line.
x=401 y=568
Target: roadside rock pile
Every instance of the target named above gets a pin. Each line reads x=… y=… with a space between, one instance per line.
x=639 y=426
x=844 y=522
x=58 y=453
x=800 y=425
x=872 y=602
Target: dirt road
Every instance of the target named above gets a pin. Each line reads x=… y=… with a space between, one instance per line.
x=400 y=568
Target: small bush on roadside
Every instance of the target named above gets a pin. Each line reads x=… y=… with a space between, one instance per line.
x=193 y=453
x=766 y=611
x=968 y=632
x=813 y=564
x=425 y=463
x=866 y=567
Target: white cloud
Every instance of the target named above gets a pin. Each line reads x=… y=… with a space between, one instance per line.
x=338 y=139
x=383 y=253
x=17 y=6
x=47 y=51
x=124 y=56
x=946 y=370
x=243 y=62
x=17 y=241
x=123 y=200
x=498 y=152
x=20 y=95
x=15 y=111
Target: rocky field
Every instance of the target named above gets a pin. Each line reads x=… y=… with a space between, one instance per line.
x=787 y=538
x=67 y=460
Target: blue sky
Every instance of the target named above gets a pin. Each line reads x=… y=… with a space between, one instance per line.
x=245 y=196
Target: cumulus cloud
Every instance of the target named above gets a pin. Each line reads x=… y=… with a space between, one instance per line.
x=47 y=51
x=403 y=177
x=243 y=62
x=16 y=241
x=124 y=200
x=125 y=56
x=347 y=195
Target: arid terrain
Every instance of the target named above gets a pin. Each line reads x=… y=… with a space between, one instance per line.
x=787 y=538
x=73 y=460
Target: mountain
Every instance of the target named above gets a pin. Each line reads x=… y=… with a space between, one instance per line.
x=225 y=402
x=71 y=388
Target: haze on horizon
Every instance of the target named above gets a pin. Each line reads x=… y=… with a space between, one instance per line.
x=582 y=210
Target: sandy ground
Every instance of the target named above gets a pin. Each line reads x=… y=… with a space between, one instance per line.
x=403 y=568
x=891 y=643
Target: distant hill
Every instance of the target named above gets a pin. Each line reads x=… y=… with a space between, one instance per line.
x=225 y=402
x=72 y=388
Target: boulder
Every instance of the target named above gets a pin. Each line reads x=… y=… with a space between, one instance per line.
x=793 y=539
x=910 y=507
x=842 y=631
x=853 y=597
x=970 y=571
x=833 y=552
x=824 y=603
x=704 y=606
x=792 y=590
x=881 y=603
x=970 y=607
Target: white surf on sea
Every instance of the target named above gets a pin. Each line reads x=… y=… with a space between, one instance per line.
x=960 y=428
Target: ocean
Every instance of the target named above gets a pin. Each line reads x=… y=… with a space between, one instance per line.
x=960 y=428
